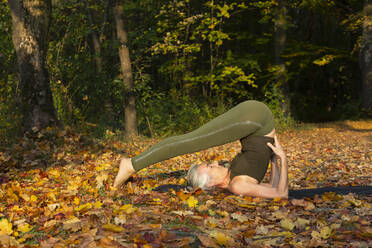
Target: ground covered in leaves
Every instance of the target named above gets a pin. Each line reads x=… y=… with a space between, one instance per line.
x=56 y=192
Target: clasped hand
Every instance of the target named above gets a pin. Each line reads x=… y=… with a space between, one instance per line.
x=277 y=148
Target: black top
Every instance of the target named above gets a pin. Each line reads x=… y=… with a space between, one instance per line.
x=253 y=159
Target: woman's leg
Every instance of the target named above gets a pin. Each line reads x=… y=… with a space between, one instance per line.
x=249 y=117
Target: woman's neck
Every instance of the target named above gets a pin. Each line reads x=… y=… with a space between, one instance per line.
x=225 y=180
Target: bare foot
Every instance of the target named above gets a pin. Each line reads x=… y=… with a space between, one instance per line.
x=125 y=171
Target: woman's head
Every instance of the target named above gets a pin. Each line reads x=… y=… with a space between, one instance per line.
x=206 y=176
x=197 y=179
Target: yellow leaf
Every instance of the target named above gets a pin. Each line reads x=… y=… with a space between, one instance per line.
x=113 y=228
x=156 y=201
x=16 y=208
x=315 y=235
x=127 y=208
x=192 y=202
x=5 y=227
x=73 y=186
x=300 y=222
x=76 y=201
x=25 y=197
x=211 y=222
x=222 y=213
x=355 y=202
x=325 y=232
x=25 y=227
x=100 y=180
x=73 y=224
x=84 y=207
x=285 y=234
x=55 y=173
x=220 y=237
x=287 y=224
x=51 y=196
x=98 y=204
x=102 y=167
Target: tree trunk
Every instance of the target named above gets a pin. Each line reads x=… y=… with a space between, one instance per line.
x=31 y=20
x=130 y=108
x=366 y=56
x=97 y=36
x=96 y=42
x=280 y=41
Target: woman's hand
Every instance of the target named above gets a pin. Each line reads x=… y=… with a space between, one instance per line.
x=277 y=149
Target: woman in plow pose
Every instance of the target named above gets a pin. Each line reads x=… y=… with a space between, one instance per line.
x=252 y=123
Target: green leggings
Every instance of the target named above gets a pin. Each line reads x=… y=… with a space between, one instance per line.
x=247 y=118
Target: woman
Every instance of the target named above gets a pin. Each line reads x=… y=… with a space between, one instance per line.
x=244 y=177
x=252 y=123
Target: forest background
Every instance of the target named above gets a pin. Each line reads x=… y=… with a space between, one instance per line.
x=167 y=66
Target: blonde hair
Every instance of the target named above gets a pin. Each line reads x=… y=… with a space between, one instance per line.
x=196 y=179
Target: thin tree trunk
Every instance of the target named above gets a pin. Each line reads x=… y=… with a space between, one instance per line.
x=280 y=42
x=96 y=43
x=31 y=20
x=97 y=37
x=130 y=108
x=366 y=56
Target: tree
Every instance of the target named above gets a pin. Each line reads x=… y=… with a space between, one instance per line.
x=366 y=56
x=280 y=38
x=31 y=20
x=130 y=108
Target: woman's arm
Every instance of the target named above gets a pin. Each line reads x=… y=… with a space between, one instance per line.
x=274 y=174
x=242 y=185
x=274 y=177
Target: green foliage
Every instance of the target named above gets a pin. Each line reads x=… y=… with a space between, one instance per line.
x=10 y=119
x=192 y=60
x=177 y=114
x=197 y=34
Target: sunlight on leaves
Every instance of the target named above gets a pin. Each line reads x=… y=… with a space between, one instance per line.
x=6 y=227
x=192 y=202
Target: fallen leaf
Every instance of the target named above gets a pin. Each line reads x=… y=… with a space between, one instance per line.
x=84 y=207
x=261 y=229
x=182 y=195
x=301 y=223
x=73 y=224
x=23 y=228
x=325 y=232
x=120 y=220
x=207 y=241
x=127 y=208
x=287 y=224
x=220 y=237
x=5 y=227
x=192 y=202
x=53 y=206
x=112 y=228
x=50 y=242
x=239 y=217
x=183 y=213
x=8 y=241
x=101 y=179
